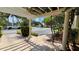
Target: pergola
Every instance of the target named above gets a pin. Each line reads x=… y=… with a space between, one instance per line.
x=34 y=12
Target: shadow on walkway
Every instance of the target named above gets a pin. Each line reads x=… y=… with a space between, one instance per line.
x=38 y=47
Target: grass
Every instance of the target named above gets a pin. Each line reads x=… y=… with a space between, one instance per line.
x=34 y=34
x=18 y=31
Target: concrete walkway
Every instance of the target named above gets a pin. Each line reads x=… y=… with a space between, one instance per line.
x=34 y=44
x=15 y=42
x=11 y=42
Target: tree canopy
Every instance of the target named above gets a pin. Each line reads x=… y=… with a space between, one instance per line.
x=55 y=22
x=3 y=21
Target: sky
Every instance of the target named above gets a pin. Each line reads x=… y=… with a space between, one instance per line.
x=15 y=19
x=40 y=19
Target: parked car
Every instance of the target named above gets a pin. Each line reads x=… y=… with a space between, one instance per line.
x=13 y=27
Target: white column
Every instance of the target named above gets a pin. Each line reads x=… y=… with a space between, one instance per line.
x=65 y=30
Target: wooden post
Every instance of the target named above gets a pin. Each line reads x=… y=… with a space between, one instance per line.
x=65 y=31
x=29 y=30
x=58 y=8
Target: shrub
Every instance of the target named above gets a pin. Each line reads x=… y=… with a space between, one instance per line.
x=25 y=31
x=0 y=31
x=25 y=27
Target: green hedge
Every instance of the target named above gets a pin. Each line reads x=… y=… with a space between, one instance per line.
x=25 y=31
x=0 y=31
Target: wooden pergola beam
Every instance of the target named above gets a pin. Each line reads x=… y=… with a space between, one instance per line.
x=41 y=9
x=49 y=8
x=17 y=11
x=53 y=13
x=37 y=10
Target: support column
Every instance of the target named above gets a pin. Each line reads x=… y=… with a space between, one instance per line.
x=29 y=30
x=65 y=31
x=58 y=8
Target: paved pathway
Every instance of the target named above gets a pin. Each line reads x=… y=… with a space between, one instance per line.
x=11 y=41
